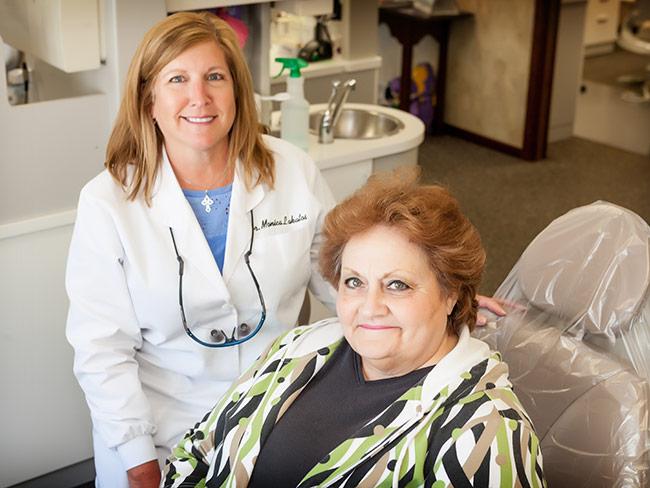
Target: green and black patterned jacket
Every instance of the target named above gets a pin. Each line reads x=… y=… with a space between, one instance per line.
x=461 y=424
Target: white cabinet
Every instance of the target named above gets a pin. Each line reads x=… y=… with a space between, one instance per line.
x=567 y=72
x=63 y=33
x=601 y=25
x=306 y=7
x=182 y=5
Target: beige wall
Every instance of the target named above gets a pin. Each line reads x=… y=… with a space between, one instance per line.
x=488 y=69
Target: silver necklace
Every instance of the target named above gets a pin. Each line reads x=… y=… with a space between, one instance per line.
x=207 y=202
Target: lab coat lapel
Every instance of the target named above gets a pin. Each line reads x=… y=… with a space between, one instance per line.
x=242 y=201
x=170 y=207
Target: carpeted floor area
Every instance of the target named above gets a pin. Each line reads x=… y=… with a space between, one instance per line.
x=510 y=200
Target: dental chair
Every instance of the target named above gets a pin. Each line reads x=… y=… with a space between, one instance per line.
x=577 y=343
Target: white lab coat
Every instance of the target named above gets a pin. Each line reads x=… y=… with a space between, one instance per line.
x=146 y=382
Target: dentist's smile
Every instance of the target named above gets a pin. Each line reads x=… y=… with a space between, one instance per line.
x=199 y=120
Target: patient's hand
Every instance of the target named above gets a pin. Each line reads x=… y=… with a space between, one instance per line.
x=145 y=475
x=491 y=304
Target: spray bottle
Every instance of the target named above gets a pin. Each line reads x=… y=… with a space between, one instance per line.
x=294 y=118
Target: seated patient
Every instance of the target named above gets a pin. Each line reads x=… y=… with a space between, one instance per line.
x=393 y=392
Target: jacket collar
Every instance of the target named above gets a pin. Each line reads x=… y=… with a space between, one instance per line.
x=467 y=353
x=170 y=207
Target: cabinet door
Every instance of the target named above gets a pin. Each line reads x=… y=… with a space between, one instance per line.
x=63 y=33
x=344 y=180
x=602 y=21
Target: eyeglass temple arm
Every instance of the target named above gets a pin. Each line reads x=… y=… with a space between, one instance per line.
x=181 y=266
x=181 y=263
x=248 y=263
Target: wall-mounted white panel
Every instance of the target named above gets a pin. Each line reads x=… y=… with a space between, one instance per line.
x=44 y=419
x=182 y=5
x=48 y=151
x=63 y=33
x=306 y=7
x=343 y=180
x=567 y=73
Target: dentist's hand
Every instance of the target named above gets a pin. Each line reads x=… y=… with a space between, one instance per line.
x=145 y=475
x=491 y=304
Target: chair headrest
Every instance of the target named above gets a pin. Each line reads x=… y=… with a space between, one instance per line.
x=590 y=266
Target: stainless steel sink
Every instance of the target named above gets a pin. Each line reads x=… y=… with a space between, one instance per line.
x=359 y=124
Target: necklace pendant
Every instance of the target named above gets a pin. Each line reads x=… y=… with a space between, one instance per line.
x=207 y=202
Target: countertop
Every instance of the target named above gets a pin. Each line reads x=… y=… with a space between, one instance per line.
x=348 y=151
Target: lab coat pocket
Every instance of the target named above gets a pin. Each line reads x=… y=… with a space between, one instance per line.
x=283 y=253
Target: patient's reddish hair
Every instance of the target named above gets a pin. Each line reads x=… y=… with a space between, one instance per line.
x=430 y=217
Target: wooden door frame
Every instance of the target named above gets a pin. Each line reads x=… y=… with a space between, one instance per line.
x=540 y=88
x=540 y=81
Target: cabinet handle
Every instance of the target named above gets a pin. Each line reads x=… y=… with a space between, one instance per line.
x=602 y=19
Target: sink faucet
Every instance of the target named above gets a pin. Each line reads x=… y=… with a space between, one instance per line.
x=333 y=111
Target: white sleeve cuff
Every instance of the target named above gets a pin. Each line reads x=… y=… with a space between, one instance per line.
x=137 y=451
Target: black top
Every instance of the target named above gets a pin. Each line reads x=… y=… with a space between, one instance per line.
x=335 y=404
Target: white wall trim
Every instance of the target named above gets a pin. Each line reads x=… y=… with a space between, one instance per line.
x=46 y=222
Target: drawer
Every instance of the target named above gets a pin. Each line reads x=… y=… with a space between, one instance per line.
x=601 y=21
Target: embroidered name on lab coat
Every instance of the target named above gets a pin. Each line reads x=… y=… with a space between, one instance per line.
x=286 y=220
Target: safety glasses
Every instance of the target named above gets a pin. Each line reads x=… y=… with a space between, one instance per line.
x=240 y=333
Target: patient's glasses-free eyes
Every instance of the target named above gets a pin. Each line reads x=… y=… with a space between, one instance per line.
x=220 y=338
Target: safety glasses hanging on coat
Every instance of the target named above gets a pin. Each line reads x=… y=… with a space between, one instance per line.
x=219 y=337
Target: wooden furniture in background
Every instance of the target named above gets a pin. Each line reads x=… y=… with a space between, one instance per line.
x=409 y=25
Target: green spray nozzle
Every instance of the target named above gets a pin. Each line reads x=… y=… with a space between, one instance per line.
x=293 y=64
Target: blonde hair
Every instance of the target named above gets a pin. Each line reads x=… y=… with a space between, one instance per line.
x=430 y=217
x=135 y=140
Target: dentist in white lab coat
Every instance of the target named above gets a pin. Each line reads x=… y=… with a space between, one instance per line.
x=185 y=157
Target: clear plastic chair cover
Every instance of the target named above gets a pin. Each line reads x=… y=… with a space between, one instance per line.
x=577 y=342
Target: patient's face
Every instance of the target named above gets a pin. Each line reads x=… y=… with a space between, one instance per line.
x=393 y=312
